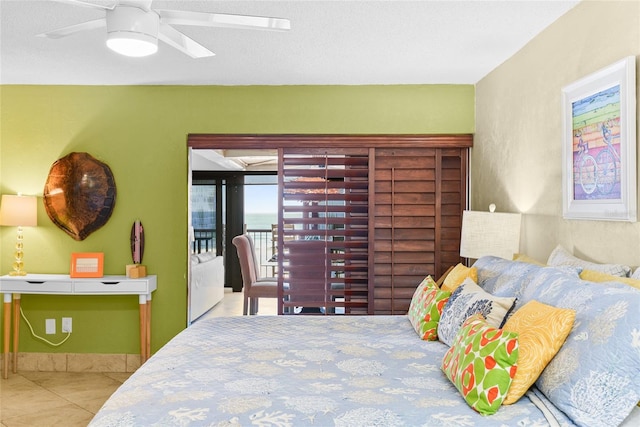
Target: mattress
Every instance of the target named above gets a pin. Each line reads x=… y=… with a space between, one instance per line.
x=304 y=370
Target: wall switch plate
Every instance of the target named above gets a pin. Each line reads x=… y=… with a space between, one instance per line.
x=50 y=326
x=66 y=324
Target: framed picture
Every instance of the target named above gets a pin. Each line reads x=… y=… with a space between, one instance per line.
x=88 y=264
x=599 y=152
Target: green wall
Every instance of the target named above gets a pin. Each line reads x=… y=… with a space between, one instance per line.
x=141 y=133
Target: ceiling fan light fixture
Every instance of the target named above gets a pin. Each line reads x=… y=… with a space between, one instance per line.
x=132 y=31
x=132 y=44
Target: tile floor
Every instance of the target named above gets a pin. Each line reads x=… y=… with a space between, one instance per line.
x=71 y=398
x=231 y=305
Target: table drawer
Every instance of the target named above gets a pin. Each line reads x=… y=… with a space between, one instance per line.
x=37 y=286
x=108 y=286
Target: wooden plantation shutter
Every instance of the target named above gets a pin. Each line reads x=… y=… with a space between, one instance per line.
x=420 y=194
x=324 y=218
x=452 y=195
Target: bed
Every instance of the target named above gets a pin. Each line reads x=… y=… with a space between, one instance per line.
x=299 y=370
x=317 y=370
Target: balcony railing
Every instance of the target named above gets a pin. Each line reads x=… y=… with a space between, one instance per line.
x=265 y=249
x=205 y=241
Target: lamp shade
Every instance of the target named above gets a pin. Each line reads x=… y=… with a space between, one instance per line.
x=490 y=233
x=18 y=211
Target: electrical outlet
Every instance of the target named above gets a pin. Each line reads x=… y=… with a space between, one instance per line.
x=50 y=326
x=66 y=324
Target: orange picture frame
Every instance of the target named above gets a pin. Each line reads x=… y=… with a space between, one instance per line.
x=87 y=264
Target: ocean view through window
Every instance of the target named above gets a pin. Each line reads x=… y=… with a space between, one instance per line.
x=260 y=216
x=260 y=202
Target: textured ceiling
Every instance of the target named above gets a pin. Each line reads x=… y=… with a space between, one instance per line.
x=331 y=42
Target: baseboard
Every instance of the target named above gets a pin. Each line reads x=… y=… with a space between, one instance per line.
x=77 y=362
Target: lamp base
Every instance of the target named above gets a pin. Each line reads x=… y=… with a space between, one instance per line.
x=18 y=273
x=18 y=256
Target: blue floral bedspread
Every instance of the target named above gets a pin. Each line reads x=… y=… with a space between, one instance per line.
x=301 y=370
x=595 y=377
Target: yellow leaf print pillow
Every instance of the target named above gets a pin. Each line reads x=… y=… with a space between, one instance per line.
x=542 y=330
x=457 y=276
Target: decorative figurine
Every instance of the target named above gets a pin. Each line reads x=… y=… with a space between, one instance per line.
x=137 y=242
x=136 y=269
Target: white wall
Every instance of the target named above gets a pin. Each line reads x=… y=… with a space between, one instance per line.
x=516 y=161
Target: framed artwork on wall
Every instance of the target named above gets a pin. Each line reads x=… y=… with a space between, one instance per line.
x=87 y=264
x=599 y=145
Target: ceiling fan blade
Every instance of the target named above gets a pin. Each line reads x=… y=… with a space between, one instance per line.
x=177 y=17
x=72 y=29
x=141 y=4
x=87 y=4
x=184 y=44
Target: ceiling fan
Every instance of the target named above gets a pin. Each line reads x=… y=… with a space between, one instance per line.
x=134 y=28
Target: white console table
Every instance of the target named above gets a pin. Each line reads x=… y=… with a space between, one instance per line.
x=60 y=284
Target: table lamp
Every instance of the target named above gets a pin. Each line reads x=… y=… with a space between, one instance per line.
x=490 y=233
x=20 y=211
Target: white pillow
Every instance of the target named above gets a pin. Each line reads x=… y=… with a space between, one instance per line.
x=636 y=274
x=467 y=300
x=560 y=256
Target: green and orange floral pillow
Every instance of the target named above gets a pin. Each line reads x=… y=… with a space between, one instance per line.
x=482 y=363
x=426 y=307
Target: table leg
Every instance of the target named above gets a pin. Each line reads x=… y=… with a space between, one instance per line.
x=148 y=334
x=16 y=330
x=6 y=322
x=143 y=328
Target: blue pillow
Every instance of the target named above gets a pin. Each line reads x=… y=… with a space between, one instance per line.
x=595 y=377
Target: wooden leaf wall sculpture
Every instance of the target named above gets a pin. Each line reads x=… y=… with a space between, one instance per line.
x=80 y=194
